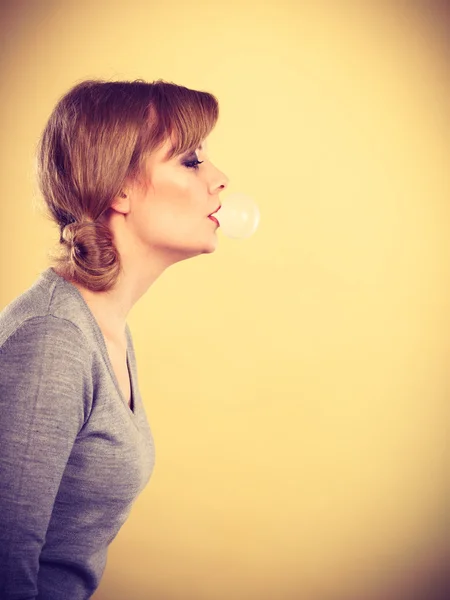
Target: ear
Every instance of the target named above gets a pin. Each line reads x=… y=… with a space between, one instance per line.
x=121 y=203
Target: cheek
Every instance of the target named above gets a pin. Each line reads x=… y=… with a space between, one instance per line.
x=178 y=199
x=171 y=196
x=171 y=216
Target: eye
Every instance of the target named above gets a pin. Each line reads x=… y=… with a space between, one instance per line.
x=192 y=161
x=193 y=164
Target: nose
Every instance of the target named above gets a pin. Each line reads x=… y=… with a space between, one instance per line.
x=223 y=182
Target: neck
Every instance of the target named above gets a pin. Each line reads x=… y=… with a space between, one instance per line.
x=111 y=308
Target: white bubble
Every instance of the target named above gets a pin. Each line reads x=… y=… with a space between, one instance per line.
x=238 y=216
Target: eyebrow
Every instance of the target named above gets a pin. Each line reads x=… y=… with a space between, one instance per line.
x=166 y=157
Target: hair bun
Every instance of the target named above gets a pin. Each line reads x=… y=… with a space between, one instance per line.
x=92 y=253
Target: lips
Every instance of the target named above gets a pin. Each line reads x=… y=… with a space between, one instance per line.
x=215 y=210
x=214 y=218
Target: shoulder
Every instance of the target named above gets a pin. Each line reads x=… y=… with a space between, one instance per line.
x=46 y=332
x=50 y=305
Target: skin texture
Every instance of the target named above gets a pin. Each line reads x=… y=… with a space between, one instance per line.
x=163 y=219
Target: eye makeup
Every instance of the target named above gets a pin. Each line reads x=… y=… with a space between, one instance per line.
x=191 y=161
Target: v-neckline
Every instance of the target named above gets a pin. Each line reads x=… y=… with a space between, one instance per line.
x=130 y=408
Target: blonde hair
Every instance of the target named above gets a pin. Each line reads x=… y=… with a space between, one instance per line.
x=97 y=137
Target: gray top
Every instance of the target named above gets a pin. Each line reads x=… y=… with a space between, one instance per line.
x=73 y=455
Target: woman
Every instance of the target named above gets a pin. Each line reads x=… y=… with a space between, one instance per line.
x=118 y=167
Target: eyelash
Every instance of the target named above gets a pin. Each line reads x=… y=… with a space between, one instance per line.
x=193 y=164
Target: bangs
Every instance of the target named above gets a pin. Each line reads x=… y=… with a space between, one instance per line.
x=185 y=116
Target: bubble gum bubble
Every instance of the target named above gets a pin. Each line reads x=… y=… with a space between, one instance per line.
x=238 y=216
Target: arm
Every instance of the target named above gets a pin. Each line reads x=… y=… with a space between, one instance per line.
x=42 y=389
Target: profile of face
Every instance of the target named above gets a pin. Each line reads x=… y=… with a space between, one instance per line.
x=169 y=210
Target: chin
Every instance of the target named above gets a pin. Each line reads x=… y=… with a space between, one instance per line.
x=185 y=253
x=204 y=250
x=211 y=248
x=208 y=246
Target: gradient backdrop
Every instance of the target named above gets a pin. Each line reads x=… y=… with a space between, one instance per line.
x=297 y=383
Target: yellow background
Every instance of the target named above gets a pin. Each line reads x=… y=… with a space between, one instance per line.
x=296 y=382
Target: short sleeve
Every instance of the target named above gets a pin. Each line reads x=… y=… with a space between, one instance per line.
x=44 y=373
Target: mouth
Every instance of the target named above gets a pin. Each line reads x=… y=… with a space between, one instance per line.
x=214 y=218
